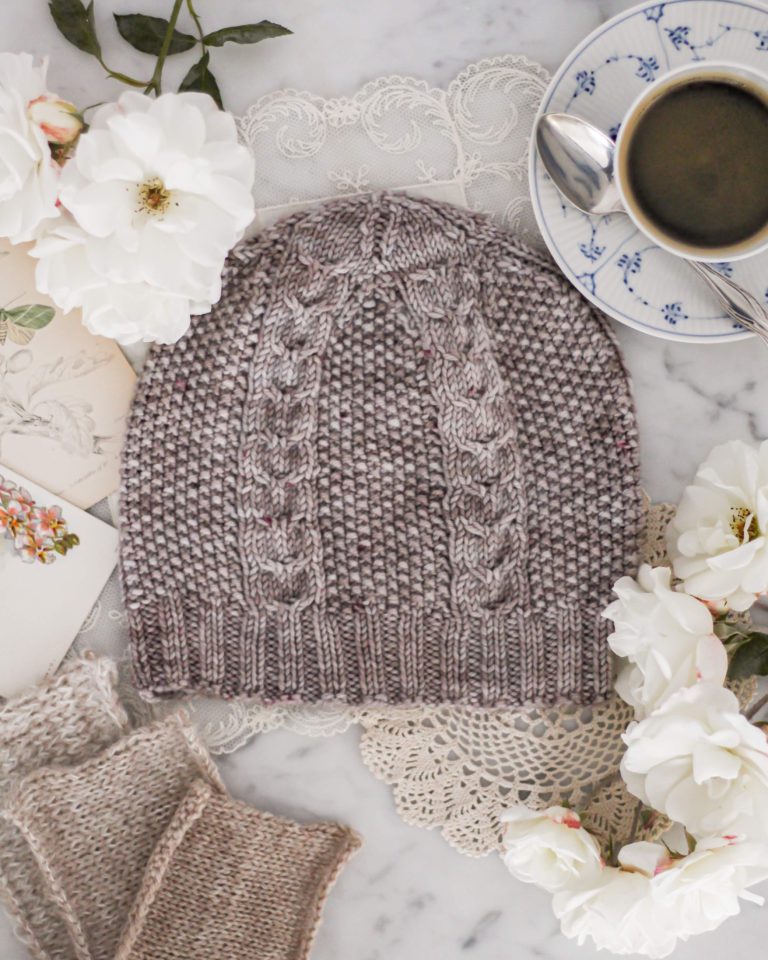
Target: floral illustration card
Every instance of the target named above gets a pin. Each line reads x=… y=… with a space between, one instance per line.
x=43 y=605
x=64 y=393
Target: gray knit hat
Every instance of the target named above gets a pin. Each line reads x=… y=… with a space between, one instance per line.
x=396 y=464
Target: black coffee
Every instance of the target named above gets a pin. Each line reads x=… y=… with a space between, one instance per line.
x=697 y=164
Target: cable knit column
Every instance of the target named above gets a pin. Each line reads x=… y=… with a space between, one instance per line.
x=282 y=554
x=485 y=500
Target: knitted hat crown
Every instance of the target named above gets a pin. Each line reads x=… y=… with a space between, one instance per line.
x=397 y=463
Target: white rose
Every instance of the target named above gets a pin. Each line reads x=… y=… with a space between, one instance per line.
x=652 y=899
x=703 y=764
x=667 y=637
x=705 y=888
x=28 y=172
x=616 y=911
x=126 y=312
x=717 y=538
x=157 y=193
x=549 y=848
x=64 y=266
x=130 y=312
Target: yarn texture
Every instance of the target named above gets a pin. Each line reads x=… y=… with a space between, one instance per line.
x=228 y=881
x=91 y=828
x=62 y=721
x=397 y=464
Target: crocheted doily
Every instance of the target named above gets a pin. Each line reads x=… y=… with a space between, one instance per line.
x=450 y=768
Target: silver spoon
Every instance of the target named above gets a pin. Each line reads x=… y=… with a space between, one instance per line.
x=579 y=158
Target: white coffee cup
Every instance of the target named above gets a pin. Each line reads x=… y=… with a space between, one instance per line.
x=734 y=74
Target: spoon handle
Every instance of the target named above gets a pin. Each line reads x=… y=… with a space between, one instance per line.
x=737 y=302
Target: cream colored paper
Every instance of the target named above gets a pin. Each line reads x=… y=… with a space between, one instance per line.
x=42 y=607
x=64 y=395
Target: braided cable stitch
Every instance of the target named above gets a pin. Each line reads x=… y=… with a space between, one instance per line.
x=396 y=464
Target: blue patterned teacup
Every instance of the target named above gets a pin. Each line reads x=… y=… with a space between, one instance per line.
x=691 y=161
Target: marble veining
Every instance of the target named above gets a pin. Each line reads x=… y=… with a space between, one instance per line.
x=407 y=895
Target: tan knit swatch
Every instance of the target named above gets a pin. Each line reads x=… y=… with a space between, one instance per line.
x=227 y=881
x=62 y=721
x=92 y=828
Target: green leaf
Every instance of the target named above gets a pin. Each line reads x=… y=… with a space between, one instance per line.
x=148 y=33
x=246 y=33
x=75 y=21
x=91 y=14
x=751 y=658
x=32 y=316
x=201 y=79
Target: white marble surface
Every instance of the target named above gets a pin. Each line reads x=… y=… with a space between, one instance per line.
x=408 y=895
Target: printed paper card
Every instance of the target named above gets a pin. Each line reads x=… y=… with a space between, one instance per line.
x=43 y=605
x=64 y=393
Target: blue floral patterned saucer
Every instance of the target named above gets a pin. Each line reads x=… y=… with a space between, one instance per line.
x=607 y=258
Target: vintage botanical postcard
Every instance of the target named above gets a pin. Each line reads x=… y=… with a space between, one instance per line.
x=43 y=605
x=64 y=393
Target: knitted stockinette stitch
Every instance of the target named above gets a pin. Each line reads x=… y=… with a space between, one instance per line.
x=62 y=721
x=397 y=464
x=228 y=881
x=92 y=828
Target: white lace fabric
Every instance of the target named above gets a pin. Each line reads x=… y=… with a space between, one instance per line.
x=450 y=768
x=467 y=144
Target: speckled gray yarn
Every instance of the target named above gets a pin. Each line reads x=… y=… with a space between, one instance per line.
x=397 y=464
